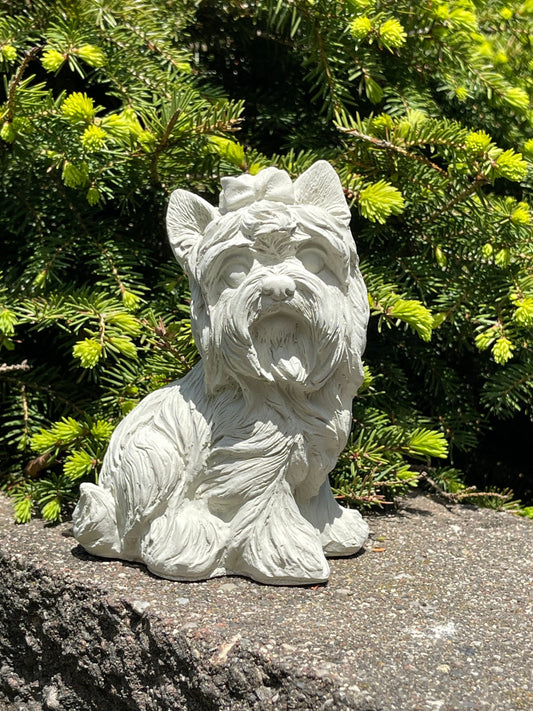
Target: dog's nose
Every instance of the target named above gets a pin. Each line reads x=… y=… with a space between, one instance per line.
x=278 y=286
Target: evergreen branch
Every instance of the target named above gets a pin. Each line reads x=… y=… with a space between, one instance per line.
x=122 y=88
x=37 y=216
x=25 y=412
x=35 y=466
x=60 y=250
x=133 y=72
x=392 y=147
x=154 y=175
x=513 y=386
x=467 y=493
x=5 y=368
x=480 y=180
x=471 y=492
x=30 y=54
x=153 y=46
x=222 y=126
x=91 y=238
x=456 y=305
x=373 y=499
x=102 y=325
x=49 y=391
x=327 y=69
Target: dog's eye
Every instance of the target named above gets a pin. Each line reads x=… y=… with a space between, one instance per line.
x=312 y=259
x=236 y=272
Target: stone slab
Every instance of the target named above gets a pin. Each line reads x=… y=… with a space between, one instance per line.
x=435 y=615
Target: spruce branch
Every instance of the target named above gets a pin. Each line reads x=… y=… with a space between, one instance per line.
x=35 y=466
x=153 y=45
x=90 y=237
x=466 y=493
x=5 y=368
x=163 y=143
x=29 y=55
x=480 y=180
x=336 y=104
x=381 y=144
x=25 y=411
x=48 y=390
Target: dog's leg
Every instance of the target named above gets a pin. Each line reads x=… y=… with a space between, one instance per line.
x=272 y=543
x=186 y=543
x=111 y=519
x=342 y=531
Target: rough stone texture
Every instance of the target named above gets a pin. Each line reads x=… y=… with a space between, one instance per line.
x=435 y=615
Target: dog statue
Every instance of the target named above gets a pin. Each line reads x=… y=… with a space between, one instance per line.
x=226 y=470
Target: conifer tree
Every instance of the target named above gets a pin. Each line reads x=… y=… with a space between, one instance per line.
x=423 y=108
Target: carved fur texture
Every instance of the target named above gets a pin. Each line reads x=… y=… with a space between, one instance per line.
x=226 y=470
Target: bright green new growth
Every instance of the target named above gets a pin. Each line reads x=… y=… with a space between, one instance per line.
x=379 y=201
x=52 y=60
x=78 y=108
x=423 y=109
x=392 y=34
x=360 y=27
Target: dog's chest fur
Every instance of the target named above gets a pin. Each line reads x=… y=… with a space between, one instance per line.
x=274 y=441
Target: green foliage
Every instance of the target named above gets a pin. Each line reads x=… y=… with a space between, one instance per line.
x=423 y=108
x=102 y=118
x=526 y=511
x=379 y=200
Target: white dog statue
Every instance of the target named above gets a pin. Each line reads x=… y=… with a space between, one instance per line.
x=225 y=472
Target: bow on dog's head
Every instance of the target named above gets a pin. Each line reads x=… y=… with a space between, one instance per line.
x=188 y=214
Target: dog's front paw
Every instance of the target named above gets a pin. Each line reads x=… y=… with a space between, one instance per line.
x=345 y=535
x=342 y=531
x=272 y=543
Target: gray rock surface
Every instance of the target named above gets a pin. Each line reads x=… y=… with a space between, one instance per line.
x=435 y=615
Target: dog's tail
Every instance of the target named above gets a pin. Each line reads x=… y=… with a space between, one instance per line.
x=95 y=523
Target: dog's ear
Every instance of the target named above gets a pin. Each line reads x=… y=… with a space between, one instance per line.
x=187 y=217
x=320 y=186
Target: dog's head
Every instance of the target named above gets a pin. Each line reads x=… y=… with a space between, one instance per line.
x=276 y=291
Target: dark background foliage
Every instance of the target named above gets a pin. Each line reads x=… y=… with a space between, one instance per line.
x=423 y=108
